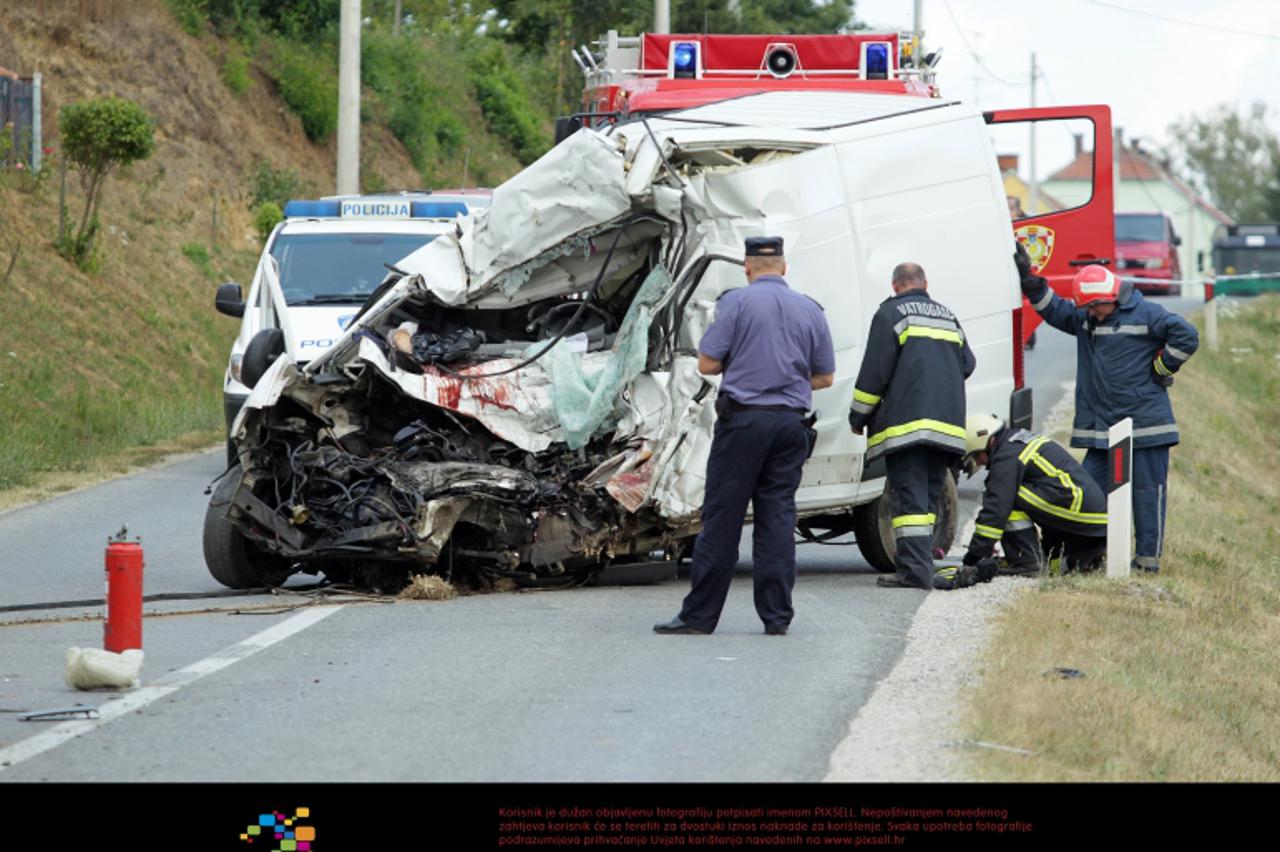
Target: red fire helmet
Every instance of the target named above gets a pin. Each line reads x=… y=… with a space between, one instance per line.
x=1095 y=284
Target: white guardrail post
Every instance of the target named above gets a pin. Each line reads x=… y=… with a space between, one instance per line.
x=1210 y=317
x=1119 y=497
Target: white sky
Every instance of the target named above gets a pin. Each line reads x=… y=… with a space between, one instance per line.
x=1151 y=72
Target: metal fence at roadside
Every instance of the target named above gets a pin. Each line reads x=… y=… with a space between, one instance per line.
x=20 y=117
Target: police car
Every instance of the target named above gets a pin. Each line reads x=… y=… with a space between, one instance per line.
x=319 y=266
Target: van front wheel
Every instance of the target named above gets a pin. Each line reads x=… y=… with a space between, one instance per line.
x=231 y=559
x=873 y=526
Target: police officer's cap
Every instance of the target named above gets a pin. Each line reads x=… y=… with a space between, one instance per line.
x=764 y=246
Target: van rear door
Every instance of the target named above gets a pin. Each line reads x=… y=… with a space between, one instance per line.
x=1069 y=223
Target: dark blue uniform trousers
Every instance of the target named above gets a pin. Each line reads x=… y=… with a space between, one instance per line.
x=757 y=457
x=1150 y=498
x=916 y=477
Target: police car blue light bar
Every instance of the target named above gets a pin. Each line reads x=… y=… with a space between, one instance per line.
x=685 y=61
x=374 y=208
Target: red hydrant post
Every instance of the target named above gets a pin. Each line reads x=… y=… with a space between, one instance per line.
x=122 y=618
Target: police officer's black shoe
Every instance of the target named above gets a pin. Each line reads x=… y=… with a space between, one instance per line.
x=775 y=629
x=675 y=625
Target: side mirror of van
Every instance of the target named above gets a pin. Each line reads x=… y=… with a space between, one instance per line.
x=1177 y=240
x=566 y=126
x=229 y=301
x=266 y=346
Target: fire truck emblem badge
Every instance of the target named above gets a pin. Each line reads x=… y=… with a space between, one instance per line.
x=1038 y=241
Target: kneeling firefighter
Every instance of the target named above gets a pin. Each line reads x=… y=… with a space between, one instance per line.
x=1031 y=482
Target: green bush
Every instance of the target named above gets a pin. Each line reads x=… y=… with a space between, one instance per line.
x=192 y=15
x=235 y=70
x=308 y=83
x=507 y=108
x=415 y=107
x=199 y=255
x=265 y=217
x=98 y=135
x=278 y=186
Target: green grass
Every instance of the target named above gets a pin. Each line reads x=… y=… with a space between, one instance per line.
x=1182 y=679
x=92 y=366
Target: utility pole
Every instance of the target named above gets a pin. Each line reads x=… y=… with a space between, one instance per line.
x=349 y=98
x=661 y=16
x=395 y=27
x=917 y=52
x=1033 y=186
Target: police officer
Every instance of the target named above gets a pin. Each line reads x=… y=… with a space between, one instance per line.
x=1031 y=482
x=1127 y=350
x=911 y=391
x=773 y=347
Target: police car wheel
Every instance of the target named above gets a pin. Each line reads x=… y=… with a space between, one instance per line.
x=873 y=527
x=231 y=559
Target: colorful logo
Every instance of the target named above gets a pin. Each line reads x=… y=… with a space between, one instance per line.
x=1038 y=240
x=282 y=833
x=345 y=320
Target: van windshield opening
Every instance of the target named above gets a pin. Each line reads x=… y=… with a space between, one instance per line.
x=1140 y=229
x=338 y=268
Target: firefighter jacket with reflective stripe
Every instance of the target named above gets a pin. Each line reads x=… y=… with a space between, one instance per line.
x=1117 y=361
x=1028 y=473
x=910 y=389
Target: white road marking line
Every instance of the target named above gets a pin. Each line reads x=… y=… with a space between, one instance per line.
x=11 y=756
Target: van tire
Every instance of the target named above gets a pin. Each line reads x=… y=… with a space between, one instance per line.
x=873 y=526
x=230 y=558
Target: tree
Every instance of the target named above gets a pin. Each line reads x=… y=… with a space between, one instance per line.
x=540 y=24
x=98 y=135
x=1231 y=156
x=1273 y=195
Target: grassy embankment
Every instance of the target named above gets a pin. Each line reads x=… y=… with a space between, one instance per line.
x=1182 y=678
x=103 y=370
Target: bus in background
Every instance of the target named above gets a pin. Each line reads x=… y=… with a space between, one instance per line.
x=1247 y=250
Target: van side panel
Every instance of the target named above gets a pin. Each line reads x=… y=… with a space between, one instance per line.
x=924 y=189
x=797 y=199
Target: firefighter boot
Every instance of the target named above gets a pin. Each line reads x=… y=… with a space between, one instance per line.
x=955 y=577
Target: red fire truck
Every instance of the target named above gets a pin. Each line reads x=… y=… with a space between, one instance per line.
x=662 y=74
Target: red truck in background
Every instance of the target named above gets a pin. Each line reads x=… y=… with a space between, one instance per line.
x=662 y=73
x=1147 y=248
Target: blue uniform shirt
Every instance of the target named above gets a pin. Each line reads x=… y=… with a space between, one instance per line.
x=771 y=340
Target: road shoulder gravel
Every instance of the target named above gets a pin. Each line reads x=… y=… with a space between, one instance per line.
x=909 y=730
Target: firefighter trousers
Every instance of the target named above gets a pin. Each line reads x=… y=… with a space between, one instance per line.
x=1028 y=552
x=916 y=477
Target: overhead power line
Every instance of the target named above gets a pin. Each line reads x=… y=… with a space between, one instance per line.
x=1183 y=21
x=974 y=53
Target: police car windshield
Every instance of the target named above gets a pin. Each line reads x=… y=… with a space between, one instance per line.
x=1140 y=229
x=338 y=268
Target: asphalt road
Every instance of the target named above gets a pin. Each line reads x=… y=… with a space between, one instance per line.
x=525 y=686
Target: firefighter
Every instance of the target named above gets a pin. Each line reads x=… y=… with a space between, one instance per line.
x=910 y=391
x=1031 y=482
x=1127 y=351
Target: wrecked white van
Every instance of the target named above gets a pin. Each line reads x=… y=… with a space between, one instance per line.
x=524 y=401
